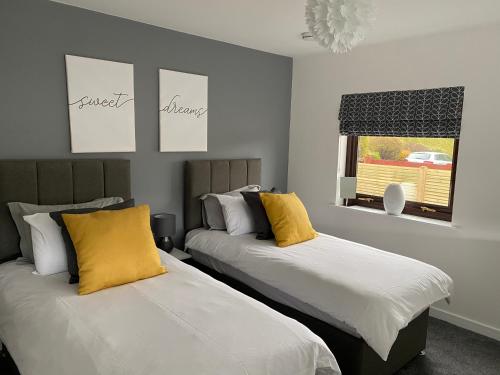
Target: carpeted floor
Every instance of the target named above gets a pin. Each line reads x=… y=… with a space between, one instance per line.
x=455 y=351
x=450 y=350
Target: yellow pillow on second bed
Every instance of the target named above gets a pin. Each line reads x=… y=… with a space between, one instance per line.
x=288 y=218
x=113 y=247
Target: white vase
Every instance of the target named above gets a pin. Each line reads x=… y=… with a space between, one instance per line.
x=394 y=199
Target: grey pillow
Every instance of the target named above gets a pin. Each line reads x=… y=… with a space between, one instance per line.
x=212 y=210
x=214 y=219
x=19 y=209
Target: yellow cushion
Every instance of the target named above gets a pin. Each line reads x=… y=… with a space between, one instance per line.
x=113 y=247
x=288 y=218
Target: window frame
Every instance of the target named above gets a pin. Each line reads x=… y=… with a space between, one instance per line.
x=411 y=208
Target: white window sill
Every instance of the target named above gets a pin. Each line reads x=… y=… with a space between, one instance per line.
x=420 y=219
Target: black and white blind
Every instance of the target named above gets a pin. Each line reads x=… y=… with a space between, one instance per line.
x=430 y=113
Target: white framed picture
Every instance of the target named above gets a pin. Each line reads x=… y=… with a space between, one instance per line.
x=183 y=111
x=101 y=105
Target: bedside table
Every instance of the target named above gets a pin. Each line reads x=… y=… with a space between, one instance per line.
x=179 y=254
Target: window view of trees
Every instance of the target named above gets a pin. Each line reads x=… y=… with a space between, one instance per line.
x=421 y=165
x=399 y=148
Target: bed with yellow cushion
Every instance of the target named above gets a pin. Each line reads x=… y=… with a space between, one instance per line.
x=370 y=306
x=137 y=309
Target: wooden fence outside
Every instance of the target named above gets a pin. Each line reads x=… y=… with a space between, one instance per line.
x=421 y=184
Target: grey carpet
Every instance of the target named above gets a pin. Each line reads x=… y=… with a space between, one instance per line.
x=450 y=350
x=453 y=350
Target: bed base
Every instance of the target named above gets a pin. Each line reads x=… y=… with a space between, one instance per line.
x=353 y=355
x=7 y=365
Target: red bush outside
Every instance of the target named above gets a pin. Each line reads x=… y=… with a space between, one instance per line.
x=404 y=163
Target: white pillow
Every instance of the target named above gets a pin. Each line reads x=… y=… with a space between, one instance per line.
x=237 y=215
x=211 y=209
x=49 y=251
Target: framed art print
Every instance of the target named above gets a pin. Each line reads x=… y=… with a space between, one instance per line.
x=183 y=111
x=101 y=105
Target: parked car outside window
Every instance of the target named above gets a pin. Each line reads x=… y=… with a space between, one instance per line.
x=437 y=158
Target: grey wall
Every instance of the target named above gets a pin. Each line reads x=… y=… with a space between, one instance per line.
x=248 y=95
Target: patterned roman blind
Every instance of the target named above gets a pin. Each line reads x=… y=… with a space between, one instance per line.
x=432 y=113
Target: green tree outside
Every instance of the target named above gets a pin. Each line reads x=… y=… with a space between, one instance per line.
x=398 y=148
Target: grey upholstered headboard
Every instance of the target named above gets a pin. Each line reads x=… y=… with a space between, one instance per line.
x=214 y=176
x=58 y=181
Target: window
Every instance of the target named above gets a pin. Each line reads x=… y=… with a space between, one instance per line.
x=408 y=137
x=425 y=167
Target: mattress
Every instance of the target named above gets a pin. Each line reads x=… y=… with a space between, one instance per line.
x=182 y=322
x=269 y=291
x=357 y=288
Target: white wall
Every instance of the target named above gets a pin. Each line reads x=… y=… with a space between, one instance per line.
x=469 y=252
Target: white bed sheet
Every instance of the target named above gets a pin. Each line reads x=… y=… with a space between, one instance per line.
x=183 y=322
x=375 y=292
x=270 y=292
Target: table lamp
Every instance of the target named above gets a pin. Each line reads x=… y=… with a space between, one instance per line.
x=163 y=227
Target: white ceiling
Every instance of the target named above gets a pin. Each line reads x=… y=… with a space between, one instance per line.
x=275 y=25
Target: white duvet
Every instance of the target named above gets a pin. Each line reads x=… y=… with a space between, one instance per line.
x=373 y=291
x=183 y=322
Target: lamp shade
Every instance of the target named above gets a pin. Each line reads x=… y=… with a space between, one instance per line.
x=163 y=225
x=347 y=187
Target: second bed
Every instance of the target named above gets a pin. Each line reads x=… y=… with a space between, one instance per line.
x=370 y=306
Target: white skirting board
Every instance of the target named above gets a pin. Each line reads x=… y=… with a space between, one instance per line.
x=466 y=323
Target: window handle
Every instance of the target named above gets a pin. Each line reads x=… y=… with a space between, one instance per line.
x=427 y=209
x=366 y=199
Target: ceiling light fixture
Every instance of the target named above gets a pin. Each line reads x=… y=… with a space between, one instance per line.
x=307 y=36
x=339 y=25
